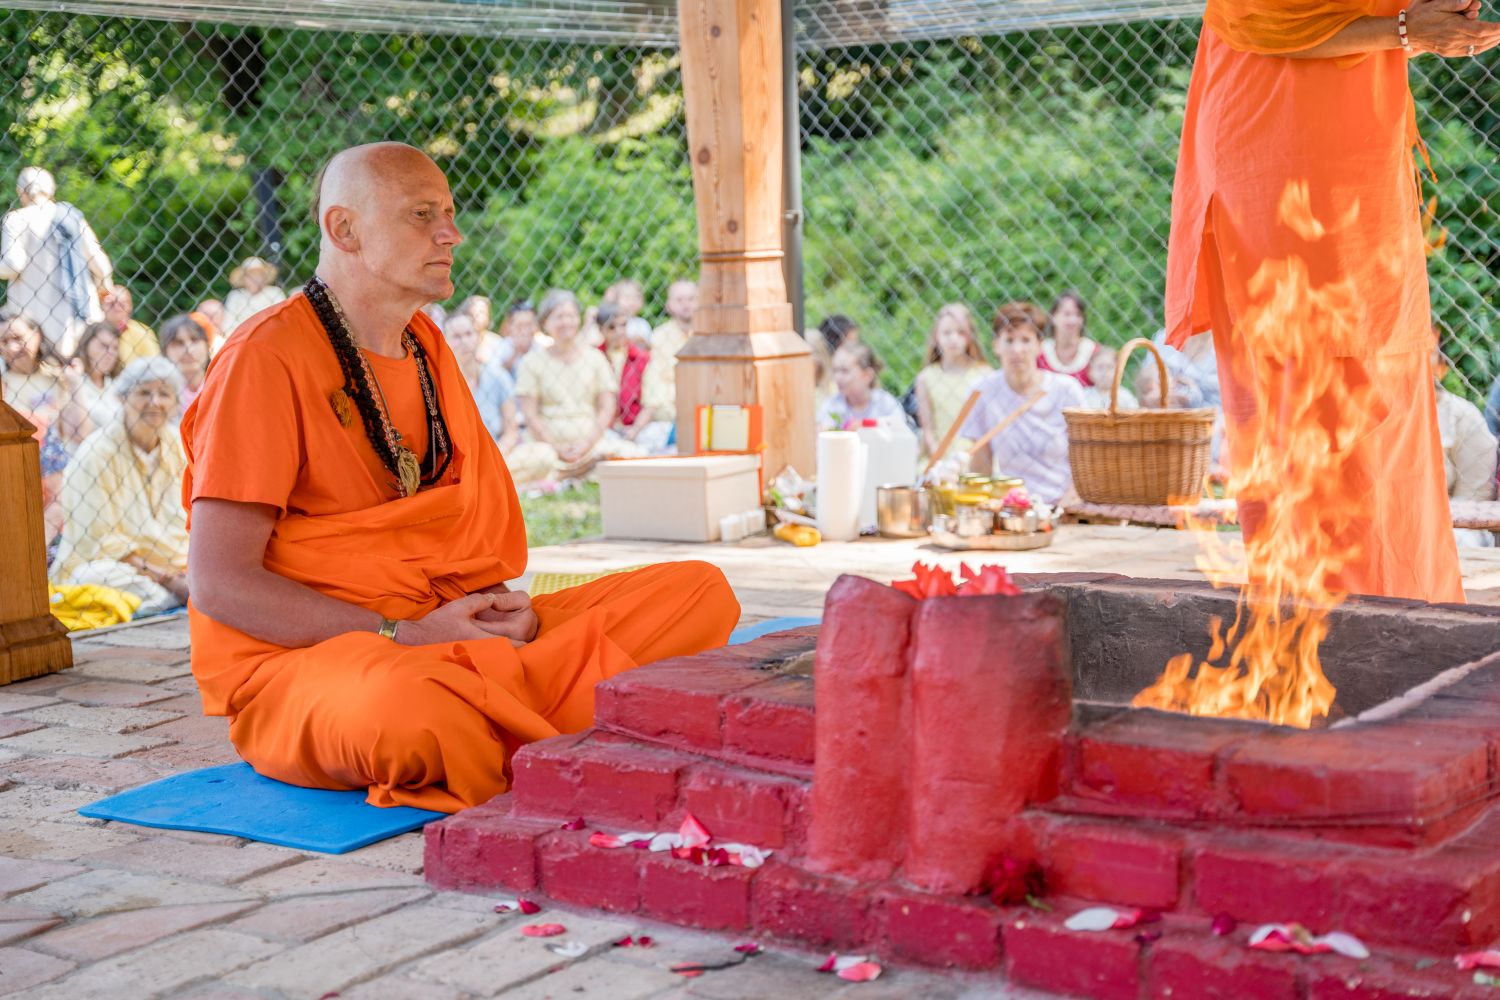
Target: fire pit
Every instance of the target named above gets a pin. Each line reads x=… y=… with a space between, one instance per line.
x=952 y=734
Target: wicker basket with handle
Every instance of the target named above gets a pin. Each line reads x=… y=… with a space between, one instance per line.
x=1145 y=456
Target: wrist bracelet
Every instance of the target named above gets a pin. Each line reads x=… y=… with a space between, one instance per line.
x=1401 y=30
x=388 y=627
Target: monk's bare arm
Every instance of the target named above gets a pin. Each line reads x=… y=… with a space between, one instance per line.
x=229 y=582
x=1444 y=27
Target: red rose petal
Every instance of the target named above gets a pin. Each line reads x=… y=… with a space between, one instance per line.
x=1224 y=924
x=1472 y=960
x=645 y=941
x=828 y=963
x=694 y=834
x=601 y=839
x=688 y=970
x=625 y=942
x=543 y=930
x=860 y=973
x=527 y=907
x=748 y=948
x=574 y=824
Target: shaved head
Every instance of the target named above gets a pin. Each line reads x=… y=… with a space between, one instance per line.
x=385 y=214
x=354 y=175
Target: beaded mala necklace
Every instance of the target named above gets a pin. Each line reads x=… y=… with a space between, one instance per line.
x=361 y=391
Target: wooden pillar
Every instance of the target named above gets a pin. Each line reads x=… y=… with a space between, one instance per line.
x=743 y=348
x=32 y=642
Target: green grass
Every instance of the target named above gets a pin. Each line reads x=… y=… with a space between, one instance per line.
x=565 y=516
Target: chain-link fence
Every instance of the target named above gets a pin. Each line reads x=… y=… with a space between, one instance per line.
x=938 y=166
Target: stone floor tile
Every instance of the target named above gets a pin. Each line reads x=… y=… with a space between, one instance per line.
x=97 y=892
x=98 y=718
x=211 y=729
x=401 y=988
x=15 y=725
x=16 y=931
x=189 y=756
x=190 y=703
x=306 y=917
x=53 y=841
x=170 y=634
x=227 y=863
x=597 y=979
x=111 y=934
x=41 y=802
x=21 y=969
x=114 y=693
x=65 y=740
x=506 y=959
x=18 y=874
x=323 y=875
x=470 y=902
x=216 y=839
x=180 y=685
x=215 y=991
x=88 y=773
x=47 y=684
x=402 y=854
x=183 y=960
x=363 y=951
x=767 y=975
x=137 y=666
x=11 y=701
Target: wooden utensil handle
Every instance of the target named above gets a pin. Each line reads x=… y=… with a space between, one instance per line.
x=1015 y=415
x=947 y=441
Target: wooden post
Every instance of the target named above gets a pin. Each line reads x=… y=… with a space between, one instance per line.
x=32 y=642
x=743 y=348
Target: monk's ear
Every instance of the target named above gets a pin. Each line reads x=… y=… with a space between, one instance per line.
x=338 y=226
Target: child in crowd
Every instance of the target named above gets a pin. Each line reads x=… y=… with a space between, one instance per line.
x=955 y=362
x=1101 y=373
x=1068 y=350
x=635 y=418
x=858 y=396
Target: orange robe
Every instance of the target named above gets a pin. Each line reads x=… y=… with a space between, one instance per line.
x=429 y=726
x=1296 y=239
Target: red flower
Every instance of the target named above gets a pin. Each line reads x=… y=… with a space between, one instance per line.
x=1012 y=881
x=931 y=581
x=989 y=580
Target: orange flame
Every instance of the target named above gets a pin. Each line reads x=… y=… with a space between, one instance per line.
x=1287 y=473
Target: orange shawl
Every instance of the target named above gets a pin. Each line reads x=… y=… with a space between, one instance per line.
x=1281 y=27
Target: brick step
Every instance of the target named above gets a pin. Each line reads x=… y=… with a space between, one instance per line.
x=1447 y=897
x=491 y=848
x=727 y=703
x=619 y=784
x=1344 y=784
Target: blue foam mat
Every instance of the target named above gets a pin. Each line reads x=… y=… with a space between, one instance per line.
x=235 y=801
x=747 y=632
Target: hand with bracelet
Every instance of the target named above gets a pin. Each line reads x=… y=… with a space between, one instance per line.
x=1449 y=28
x=486 y=614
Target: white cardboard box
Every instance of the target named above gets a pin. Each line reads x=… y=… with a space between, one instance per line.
x=676 y=499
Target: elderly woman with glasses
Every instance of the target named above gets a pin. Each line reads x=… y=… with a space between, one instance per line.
x=122 y=495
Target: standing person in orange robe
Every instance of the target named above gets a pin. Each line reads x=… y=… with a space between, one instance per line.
x=1296 y=239
x=354 y=527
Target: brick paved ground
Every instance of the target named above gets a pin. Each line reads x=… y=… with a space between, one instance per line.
x=94 y=909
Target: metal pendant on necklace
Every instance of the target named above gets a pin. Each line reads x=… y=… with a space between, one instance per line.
x=409 y=470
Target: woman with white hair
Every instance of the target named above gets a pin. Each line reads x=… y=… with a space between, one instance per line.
x=53 y=261
x=568 y=394
x=122 y=495
x=254 y=289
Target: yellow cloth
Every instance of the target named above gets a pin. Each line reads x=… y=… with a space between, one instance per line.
x=947 y=392
x=567 y=392
x=89 y=606
x=659 y=388
x=120 y=503
x=1277 y=27
x=551 y=583
x=137 y=341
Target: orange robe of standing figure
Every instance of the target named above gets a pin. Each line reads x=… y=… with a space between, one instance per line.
x=430 y=726
x=1297 y=175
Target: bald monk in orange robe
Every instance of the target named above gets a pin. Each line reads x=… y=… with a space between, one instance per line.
x=1296 y=178
x=350 y=556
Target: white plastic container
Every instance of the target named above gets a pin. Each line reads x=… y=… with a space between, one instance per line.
x=676 y=499
x=891 y=460
x=841 y=475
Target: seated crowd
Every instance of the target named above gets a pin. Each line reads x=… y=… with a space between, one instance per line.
x=559 y=386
